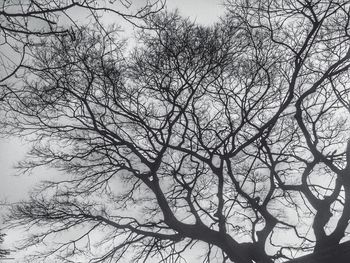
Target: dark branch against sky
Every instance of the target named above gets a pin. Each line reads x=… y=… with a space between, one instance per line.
x=173 y=132
x=14 y=188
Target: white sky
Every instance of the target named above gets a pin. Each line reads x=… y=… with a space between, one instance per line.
x=13 y=150
x=14 y=188
x=203 y=11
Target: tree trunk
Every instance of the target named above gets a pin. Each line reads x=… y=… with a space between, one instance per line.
x=337 y=254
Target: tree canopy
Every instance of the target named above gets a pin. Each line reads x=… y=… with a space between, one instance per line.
x=232 y=138
x=25 y=23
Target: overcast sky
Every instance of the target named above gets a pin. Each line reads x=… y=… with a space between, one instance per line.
x=13 y=187
x=13 y=150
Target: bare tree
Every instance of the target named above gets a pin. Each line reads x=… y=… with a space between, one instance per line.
x=233 y=136
x=313 y=37
x=24 y=23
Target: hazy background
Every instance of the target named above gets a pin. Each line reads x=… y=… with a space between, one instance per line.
x=14 y=187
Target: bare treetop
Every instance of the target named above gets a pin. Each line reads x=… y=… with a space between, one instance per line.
x=23 y=23
x=234 y=136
